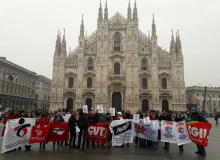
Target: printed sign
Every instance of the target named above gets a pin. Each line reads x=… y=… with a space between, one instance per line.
x=167 y=132
x=100 y=108
x=136 y=118
x=112 y=111
x=85 y=109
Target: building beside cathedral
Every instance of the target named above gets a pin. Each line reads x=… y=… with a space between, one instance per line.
x=118 y=66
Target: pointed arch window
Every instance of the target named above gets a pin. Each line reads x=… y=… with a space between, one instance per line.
x=116 y=68
x=164 y=83
x=71 y=82
x=144 y=64
x=144 y=83
x=89 y=82
x=117 y=43
x=90 y=64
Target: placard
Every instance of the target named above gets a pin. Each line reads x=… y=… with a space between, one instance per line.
x=100 y=108
x=112 y=111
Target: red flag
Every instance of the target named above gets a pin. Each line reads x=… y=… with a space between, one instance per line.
x=38 y=135
x=199 y=132
x=58 y=131
x=97 y=132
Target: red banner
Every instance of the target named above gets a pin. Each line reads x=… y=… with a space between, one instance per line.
x=38 y=135
x=199 y=132
x=97 y=132
x=58 y=131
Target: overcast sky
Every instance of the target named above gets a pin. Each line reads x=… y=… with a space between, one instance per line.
x=29 y=28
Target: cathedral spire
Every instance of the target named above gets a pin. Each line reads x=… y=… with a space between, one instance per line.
x=129 y=11
x=64 y=40
x=57 y=47
x=82 y=27
x=179 y=43
x=106 y=12
x=135 y=11
x=153 y=27
x=64 y=44
x=100 y=12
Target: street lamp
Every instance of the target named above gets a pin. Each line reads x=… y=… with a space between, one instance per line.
x=10 y=78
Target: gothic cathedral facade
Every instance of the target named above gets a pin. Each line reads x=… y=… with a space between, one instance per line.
x=118 y=66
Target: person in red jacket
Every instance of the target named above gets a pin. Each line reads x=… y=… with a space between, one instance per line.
x=43 y=122
x=13 y=115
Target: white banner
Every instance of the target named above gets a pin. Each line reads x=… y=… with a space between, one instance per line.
x=181 y=132
x=66 y=117
x=112 y=112
x=168 y=132
x=17 y=133
x=100 y=108
x=122 y=132
x=146 y=131
x=85 y=109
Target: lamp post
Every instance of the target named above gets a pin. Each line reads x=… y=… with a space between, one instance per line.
x=10 y=78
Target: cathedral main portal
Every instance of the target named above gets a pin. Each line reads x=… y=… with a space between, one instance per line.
x=116 y=101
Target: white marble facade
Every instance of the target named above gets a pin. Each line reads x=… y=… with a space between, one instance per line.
x=118 y=66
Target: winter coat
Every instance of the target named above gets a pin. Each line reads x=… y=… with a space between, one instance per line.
x=72 y=122
x=83 y=122
x=107 y=120
x=198 y=117
x=128 y=116
x=60 y=120
x=43 y=123
x=165 y=118
x=101 y=119
x=94 y=118
x=5 y=121
x=178 y=119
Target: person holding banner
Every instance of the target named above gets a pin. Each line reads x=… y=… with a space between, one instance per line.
x=43 y=122
x=178 y=118
x=13 y=115
x=153 y=143
x=72 y=125
x=29 y=115
x=108 y=120
x=165 y=117
x=58 y=119
x=195 y=116
x=140 y=117
x=119 y=117
x=66 y=119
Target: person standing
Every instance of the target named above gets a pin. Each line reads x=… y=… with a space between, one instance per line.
x=29 y=115
x=154 y=144
x=127 y=115
x=216 y=118
x=108 y=119
x=140 y=117
x=59 y=118
x=178 y=118
x=94 y=119
x=119 y=117
x=195 y=116
x=165 y=117
x=43 y=122
x=72 y=125
x=82 y=124
x=66 y=112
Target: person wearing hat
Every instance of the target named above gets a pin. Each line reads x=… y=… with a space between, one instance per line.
x=82 y=124
x=119 y=116
x=195 y=116
x=58 y=119
x=108 y=119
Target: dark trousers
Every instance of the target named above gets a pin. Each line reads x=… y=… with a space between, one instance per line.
x=58 y=144
x=72 y=137
x=27 y=146
x=167 y=144
x=149 y=143
x=180 y=146
x=88 y=143
x=61 y=143
x=82 y=133
x=136 y=140
x=43 y=145
x=201 y=148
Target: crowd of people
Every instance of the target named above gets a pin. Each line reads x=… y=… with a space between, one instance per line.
x=81 y=120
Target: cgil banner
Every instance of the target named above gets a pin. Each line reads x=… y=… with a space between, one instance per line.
x=199 y=132
x=144 y=131
x=17 y=133
x=122 y=132
x=38 y=135
x=97 y=132
x=58 y=131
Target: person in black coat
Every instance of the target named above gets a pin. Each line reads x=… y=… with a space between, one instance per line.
x=165 y=117
x=82 y=124
x=195 y=116
x=72 y=125
x=93 y=117
x=178 y=118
